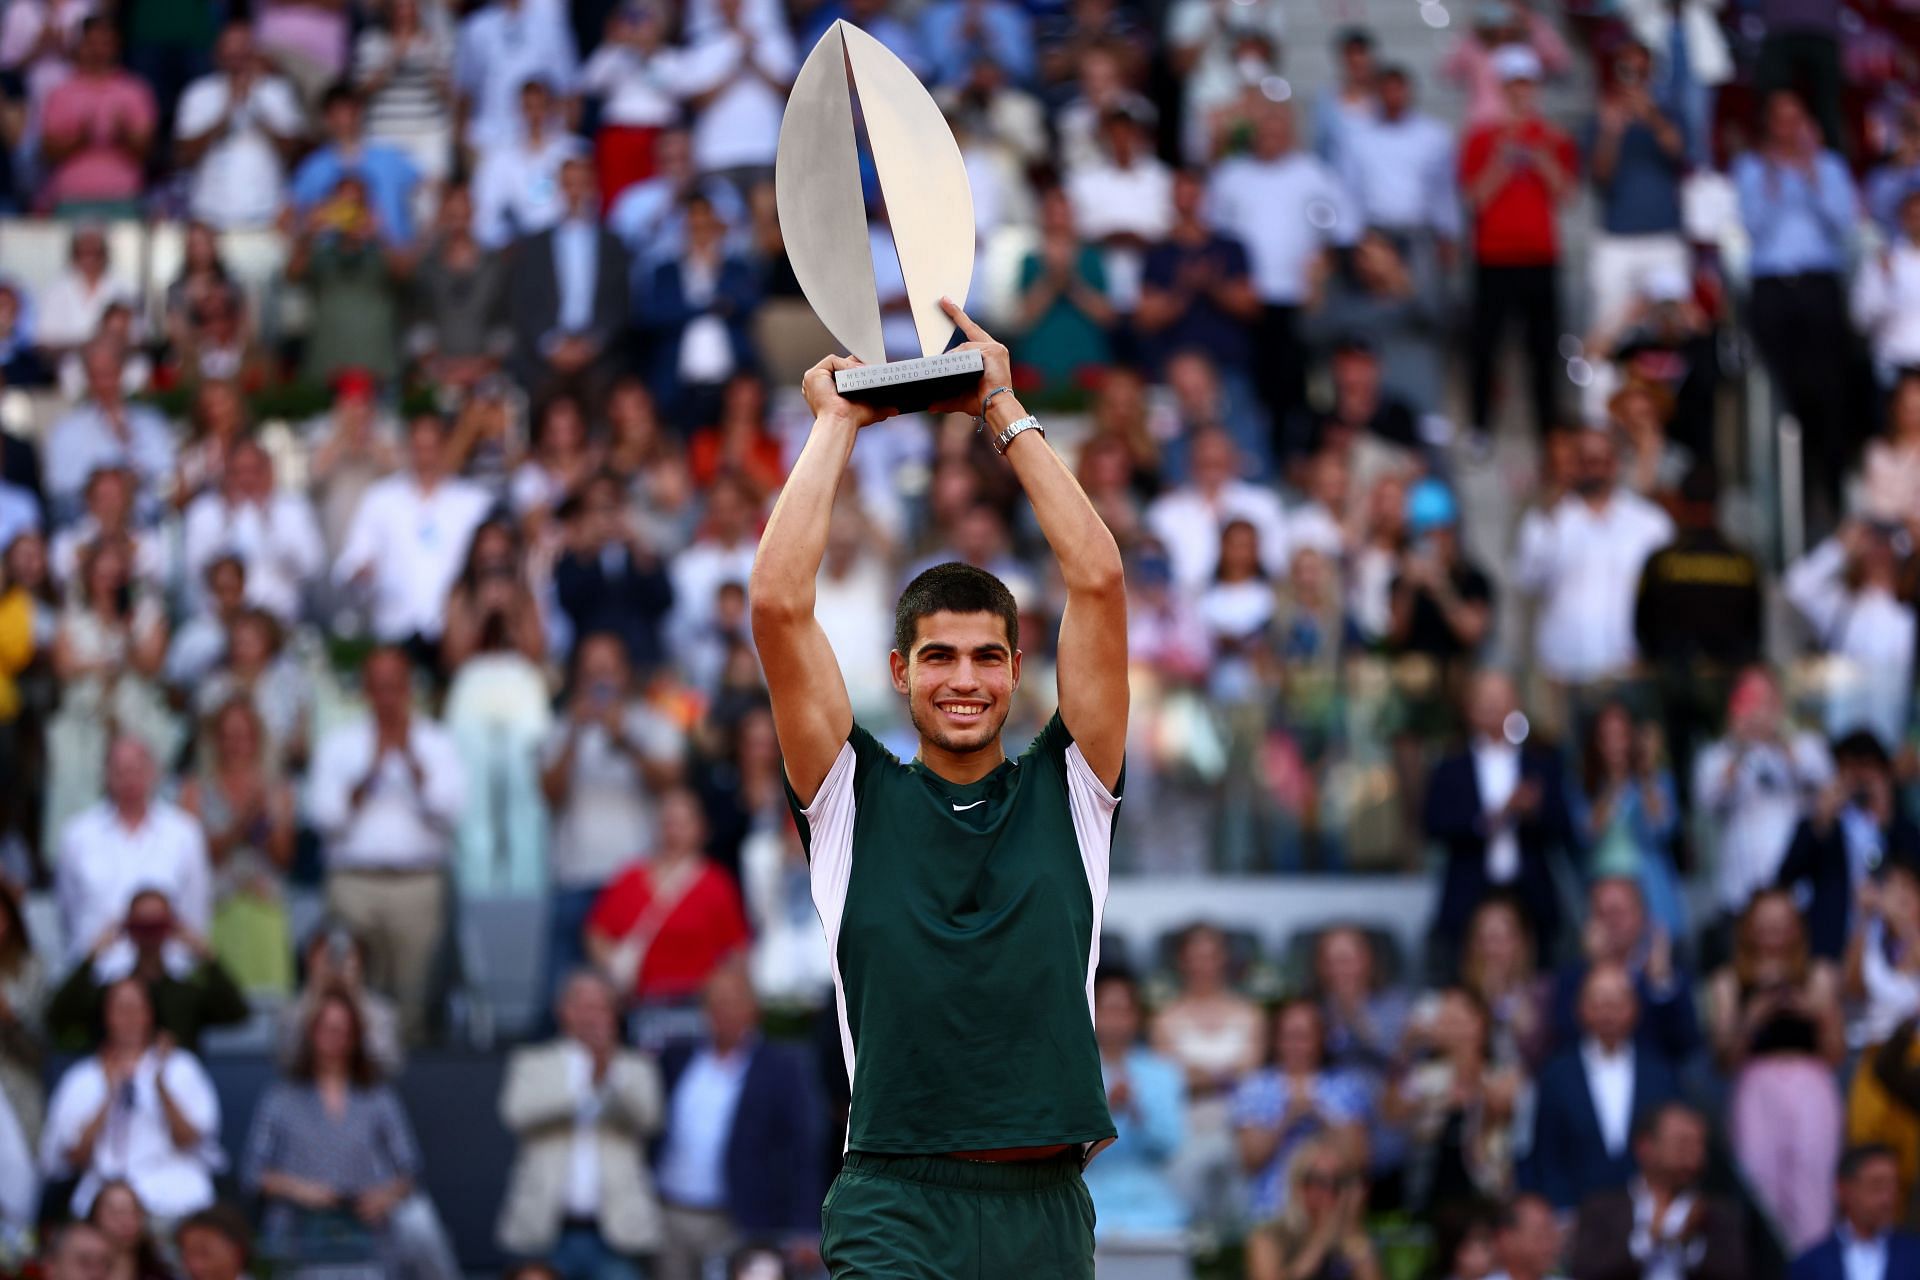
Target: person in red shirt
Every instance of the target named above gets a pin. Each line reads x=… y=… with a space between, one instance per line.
x=1514 y=173
x=661 y=927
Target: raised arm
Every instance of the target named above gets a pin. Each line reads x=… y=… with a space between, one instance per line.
x=811 y=713
x=1092 y=668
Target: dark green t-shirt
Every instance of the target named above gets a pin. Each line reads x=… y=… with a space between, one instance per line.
x=964 y=925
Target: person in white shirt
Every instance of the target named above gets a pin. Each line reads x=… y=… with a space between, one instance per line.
x=236 y=129
x=105 y=431
x=1582 y=558
x=516 y=185
x=721 y=553
x=1849 y=592
x=273 y=532
x=139 y=1111
x=1398 y=165
x=408 y=537
x=1123 y=203
x=1188 y=520
x=636 y=76
x=500 y=47
x=111 y=493
x=67 y=312
x=385 y=793
x=736 y=81
x=1202 y=36
x=1886 y=295
x=129 y=841
x=1753 y=787
x=1289 y=209
x=582 y=1108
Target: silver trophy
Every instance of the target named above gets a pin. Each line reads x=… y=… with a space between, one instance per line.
x=824 y=224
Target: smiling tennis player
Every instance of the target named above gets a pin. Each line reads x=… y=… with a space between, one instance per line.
x=961 y=891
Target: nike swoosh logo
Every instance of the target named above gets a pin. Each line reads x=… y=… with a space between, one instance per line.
x=962 y=808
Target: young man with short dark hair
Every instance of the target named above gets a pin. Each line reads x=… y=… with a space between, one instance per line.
x=962 y=891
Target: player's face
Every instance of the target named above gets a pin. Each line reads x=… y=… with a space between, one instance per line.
x=959 y=680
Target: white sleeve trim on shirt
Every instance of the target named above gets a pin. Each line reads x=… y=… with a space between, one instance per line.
x=1092 y=806
x=830 y=869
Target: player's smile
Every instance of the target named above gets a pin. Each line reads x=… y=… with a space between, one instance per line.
x=968 y=712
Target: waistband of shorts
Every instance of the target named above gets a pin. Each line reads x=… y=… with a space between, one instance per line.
x=969 y=1175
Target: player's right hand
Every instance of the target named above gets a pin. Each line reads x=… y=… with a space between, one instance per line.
x=828 y=404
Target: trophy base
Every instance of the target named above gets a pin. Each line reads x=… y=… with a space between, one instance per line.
x=912 y=385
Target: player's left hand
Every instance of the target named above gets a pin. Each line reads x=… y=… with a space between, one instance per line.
x=997 y=365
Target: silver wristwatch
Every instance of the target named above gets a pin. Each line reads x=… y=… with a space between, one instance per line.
x=1014 y=428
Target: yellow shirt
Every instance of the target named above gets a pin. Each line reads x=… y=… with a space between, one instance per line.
x=16 y=647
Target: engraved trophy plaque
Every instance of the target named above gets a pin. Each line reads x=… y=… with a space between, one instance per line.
x=823 y=218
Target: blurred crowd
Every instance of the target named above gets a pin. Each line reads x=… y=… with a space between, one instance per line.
x=1513 y=434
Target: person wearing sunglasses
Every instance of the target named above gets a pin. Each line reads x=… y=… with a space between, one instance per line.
x=1321 y=1234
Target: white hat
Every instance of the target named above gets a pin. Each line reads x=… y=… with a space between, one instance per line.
x=1516 y=62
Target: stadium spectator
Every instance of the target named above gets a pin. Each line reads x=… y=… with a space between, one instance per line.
x=96 y=128
x=1473 y=61
x=384 y=794
x=720 y=555
x=1583 y=556
x=661 y=927
x=1205 y=48
x=1868 y=1238
x=1528 y=1240
x=1798 y=203
x=1664 y=1222
x=69 y=310
x=1063 y=311
x=386 y=174
x=650 y=216
x=257 y=670
x=1890 y=478
x=403 y=68
x=1458 y=1107
x=187 y=986
x=1365 y=1015
x=79 y=1251
x=214 y=1244
x=1627 y=812
x=403 y=549
x=1386 y=298
x=1515 y=172
x=1754 y=786
x=1848 y=590
x=581 y=1106
x=695 y=309
x=1621 y=932
x=1499 y=808
x=1196 y=295
x=247 y=808
x=109 y=518
x=334 y=960
x=1588 y=1095
x=455 y=300
x=121 y=1218
x=516 y=181
x=1321 y=1232
x=633 y=74
x=1883 y=998
x=104 y=430
x=1398 y=165
x=1122 y=202
x=339 y=254
x=1775 y=1020
x=1856 y=826
x=272 y=531
x=138 y=1110
x=1442 y=603
x=957 y=33
x=1886 y=294
x=1132 y=1193
x=235 y=129
x=739 y=1158
x=333 y=1158
x=128 y=841
x=1280 y=1106
x=1289 y=210
x=568 y=282
x=503 y=46
x=1637 y=153
x=738 y=73
x=1497 y=966
x=1188 y=520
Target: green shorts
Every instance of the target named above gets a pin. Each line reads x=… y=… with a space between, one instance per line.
x=931 y=1218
